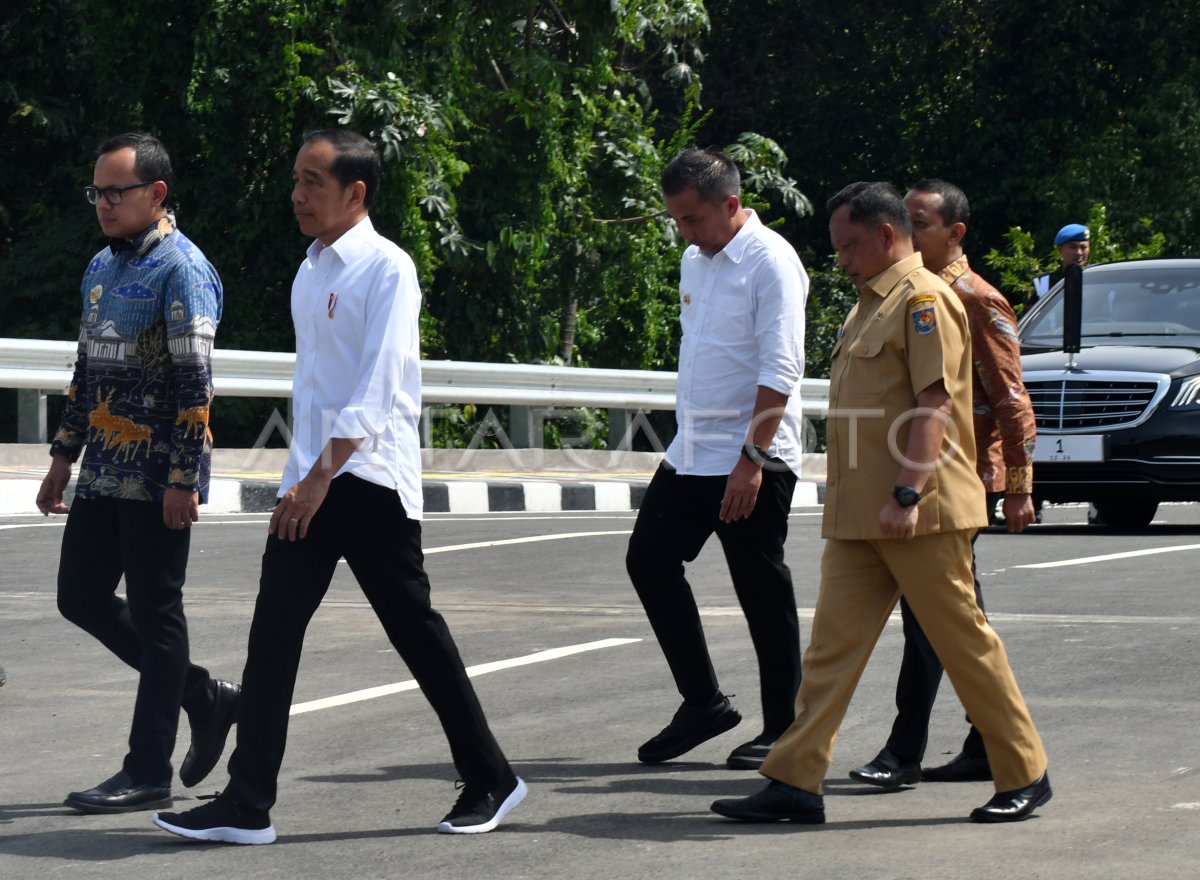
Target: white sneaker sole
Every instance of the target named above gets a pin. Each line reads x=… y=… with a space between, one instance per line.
x=515 y=797
x=245 y=836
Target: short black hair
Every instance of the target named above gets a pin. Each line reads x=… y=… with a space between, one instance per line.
x=357 y=159
x=151 y=161
x=955 y=207
x=710 y=172
x=873 y=203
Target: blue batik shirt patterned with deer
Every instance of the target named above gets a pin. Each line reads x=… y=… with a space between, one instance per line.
x=141 y=394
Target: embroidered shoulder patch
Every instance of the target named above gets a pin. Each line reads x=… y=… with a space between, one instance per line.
x=921 y=298
x=924 y=321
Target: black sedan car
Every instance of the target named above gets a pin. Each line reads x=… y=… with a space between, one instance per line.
x=1118 y=423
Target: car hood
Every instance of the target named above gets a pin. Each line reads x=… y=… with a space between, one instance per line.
x=1136 y=358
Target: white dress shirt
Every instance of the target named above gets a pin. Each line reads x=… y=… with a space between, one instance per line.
x=742 y=315
x=355 y=305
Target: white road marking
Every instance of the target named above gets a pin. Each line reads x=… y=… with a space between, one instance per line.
x=51 y=524
x=1087 y=560
x=472 y=671
x=531 y=539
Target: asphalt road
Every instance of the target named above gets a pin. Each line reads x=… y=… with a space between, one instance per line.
x=1106 y=651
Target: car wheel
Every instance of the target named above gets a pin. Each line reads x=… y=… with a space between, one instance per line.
x=1122 y=514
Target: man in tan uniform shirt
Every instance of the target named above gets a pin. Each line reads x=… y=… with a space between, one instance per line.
x=902 y=504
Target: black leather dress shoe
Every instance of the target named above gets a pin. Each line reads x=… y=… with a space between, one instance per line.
x=750 y=755
x=691 y=726
x=775 y=803
x=120 y=794
x=1013 y=806
x=961 y=769
x=886 y=771
x=208 y=739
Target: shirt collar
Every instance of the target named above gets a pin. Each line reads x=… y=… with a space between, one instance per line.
x=351 y=244
x=146 y=240
x=883 y=283
x=736 y=249
x=955 y=270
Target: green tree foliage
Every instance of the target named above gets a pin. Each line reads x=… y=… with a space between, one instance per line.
x=521 y=142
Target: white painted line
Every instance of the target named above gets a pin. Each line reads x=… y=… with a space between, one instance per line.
x=472 y=671
x=51 y=524
x=532 y=539
x=1087 y=560
x=1191 y=806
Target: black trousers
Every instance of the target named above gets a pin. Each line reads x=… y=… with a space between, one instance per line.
x=917 y=687
x=366 y=524
x=105 y=539
x=677 y=516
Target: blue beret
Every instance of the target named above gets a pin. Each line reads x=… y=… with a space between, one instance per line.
x=1071 y=232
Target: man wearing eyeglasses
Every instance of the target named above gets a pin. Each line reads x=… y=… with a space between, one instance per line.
x=137 y=411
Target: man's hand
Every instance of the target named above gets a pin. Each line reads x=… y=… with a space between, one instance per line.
x=50 y=495
x=1018 y=511
x=741 y=490
x=299 y=504
x=181 y=508
x=897 y=522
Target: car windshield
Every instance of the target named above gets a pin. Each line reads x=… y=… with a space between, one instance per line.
x=1131 y=301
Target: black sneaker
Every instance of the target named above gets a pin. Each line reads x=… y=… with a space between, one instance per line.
x=478 y=811
x=691 y=726
x=750 y=755
x=220 y=820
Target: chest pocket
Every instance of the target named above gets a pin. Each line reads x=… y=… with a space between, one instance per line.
x=867 y=347
x=728 y=317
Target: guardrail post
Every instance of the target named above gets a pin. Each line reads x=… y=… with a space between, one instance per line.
x=619 y=421
x=426 y=427
x=31 y=416
x=521 y=428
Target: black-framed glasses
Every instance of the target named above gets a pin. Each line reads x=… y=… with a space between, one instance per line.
x=112 y=194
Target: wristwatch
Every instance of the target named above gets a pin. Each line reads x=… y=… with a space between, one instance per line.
x=906 y=496
x=756 y=454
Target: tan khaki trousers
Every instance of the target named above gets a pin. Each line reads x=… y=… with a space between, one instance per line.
x=861 y=582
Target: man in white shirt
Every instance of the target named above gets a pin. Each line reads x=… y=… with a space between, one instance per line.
x=733 y=464
x=351 y=489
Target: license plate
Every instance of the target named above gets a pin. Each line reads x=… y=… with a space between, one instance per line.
x=1069 y=447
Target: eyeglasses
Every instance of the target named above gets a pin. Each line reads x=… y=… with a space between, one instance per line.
x=112 y=194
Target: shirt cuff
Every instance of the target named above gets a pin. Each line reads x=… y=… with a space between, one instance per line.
x=776 y=382
x=1018 y=480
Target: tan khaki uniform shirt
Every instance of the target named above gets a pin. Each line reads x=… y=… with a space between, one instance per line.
x=907 y=331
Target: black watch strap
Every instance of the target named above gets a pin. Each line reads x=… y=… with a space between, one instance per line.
x=756 y=454
x=906 y=496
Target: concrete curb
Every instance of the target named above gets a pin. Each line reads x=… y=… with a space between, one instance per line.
x=456 y=481
x=18 y=495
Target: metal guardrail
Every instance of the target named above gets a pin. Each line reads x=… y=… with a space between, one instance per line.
x=45 y=367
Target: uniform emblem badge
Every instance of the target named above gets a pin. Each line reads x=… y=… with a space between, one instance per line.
x=95 y=293
x=924 y=321
x=687 y=299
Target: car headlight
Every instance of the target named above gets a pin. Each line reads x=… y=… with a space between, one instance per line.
x=1189 y=394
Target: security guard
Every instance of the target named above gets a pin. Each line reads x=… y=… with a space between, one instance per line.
x=1074 y=243
x=902 y=504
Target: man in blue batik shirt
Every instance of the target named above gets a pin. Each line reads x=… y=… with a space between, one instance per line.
x=138 y=410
